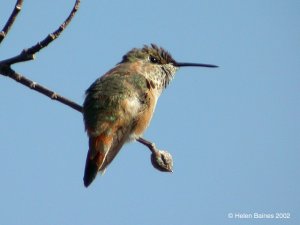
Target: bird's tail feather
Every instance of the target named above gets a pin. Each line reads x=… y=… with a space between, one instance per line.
x=91 y=170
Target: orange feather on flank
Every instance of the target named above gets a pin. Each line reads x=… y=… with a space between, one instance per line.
x=104 y=139
x=145 y=117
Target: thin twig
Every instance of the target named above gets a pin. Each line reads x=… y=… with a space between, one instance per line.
x=147 y=143
x=28 y=54
x=11 y=20
x=51 y=37
x=39 y=88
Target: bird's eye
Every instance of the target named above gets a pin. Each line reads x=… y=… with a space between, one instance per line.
x=153 y=59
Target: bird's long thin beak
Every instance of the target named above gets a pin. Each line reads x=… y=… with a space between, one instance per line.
x=182 y=64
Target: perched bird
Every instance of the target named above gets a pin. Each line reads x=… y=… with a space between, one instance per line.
x=119 y=106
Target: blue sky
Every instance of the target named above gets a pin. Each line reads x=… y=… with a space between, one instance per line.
x=233 y=131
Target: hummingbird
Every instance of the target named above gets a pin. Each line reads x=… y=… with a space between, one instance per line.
x=118 y=106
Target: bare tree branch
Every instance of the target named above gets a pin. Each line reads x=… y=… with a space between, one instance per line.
x=11 y=20
x=39 y=88
x=28 y=54
x=51 y=37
